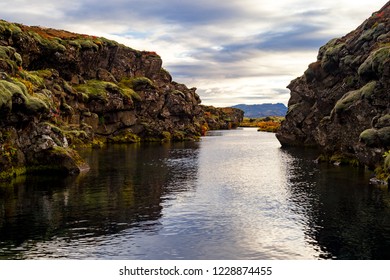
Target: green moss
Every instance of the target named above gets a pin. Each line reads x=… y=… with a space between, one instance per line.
x=375 y=63
x=9 y=29
x=137 y=83
x=369 y=137
x=376 y=137
x=130 y=93
x=383 y=121
x=36 y=80
x=12 y=173
x=331 y=56
x=179 y=135
x=166 y=136
x=128 y=85
x=33 y=104
x=95 y=89
x=353 y=96
x=84 y=43
x=36 y=105
x=52 y=44
x=125 y=136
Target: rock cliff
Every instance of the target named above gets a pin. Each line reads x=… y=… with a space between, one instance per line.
x=60 y=90
x=222 y=118
x=342 y=102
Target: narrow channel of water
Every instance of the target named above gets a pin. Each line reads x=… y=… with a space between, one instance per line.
x=234 y=195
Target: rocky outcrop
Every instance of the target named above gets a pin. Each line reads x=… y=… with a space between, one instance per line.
x=59 y=90
x=222 y=118
x=342 y=102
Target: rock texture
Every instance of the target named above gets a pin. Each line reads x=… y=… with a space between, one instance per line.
x=59 y=90
x=222 y=118
x=342 y=102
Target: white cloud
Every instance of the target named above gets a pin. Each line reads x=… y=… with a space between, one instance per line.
x=239 y=51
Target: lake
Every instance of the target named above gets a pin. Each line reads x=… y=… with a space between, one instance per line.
x=235 y=194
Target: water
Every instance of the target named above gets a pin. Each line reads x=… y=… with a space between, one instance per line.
x=234 y=195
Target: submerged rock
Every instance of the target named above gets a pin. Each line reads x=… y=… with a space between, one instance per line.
x=342 y=102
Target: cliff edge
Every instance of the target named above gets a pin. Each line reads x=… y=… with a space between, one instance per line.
x=342 y=102
x=60 y=90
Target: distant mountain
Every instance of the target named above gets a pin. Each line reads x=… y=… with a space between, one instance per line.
x=262 y=110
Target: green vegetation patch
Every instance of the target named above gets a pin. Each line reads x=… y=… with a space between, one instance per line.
x=96 y=89
x=383 y=121
x=375 y=62
x=8 y=90
x=353 y=96
x=9 y=29
x=376 y=137
x=137 y=83
x=125 y=136
x=127 y=87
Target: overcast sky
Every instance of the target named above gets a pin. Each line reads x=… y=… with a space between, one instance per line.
x=233 y=51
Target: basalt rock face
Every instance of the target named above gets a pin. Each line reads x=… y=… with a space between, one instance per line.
x=59 y=90
x=341 y=103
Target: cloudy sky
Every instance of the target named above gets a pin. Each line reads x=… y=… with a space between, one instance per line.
x=233 y=51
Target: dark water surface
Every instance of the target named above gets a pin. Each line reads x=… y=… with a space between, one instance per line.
x=234 y=195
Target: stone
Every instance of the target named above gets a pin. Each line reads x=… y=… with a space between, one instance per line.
x=341 y=104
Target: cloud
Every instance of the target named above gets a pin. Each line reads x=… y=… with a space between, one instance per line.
x=232 y=51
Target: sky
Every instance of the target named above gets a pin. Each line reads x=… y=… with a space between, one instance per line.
x=232 y=51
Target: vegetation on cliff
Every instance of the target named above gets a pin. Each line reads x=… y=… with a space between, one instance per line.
x=341 y=103
x=60 y=90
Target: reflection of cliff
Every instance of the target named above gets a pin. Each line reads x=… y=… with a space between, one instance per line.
x=123 y=190
x=345 y=217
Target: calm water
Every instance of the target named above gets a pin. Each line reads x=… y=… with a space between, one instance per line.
x=234 y=195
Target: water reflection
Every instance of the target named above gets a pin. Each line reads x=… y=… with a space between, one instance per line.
x=234 y=195
x=124 y=189
x=345 y=216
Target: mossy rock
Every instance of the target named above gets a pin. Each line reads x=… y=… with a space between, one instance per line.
x=52 y=44
x=96 y=89
x=383 y=121
x=374 y=65
x=125 y=136
x=370 y=137
x=57 y=160
x=141 y=83
x=9 y=29
x=84 y=43
x=353 y=96
x=8 y=90
x=331 y=57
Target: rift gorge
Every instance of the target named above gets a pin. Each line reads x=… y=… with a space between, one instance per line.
x=104 y=156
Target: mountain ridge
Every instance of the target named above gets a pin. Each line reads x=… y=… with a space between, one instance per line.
x=262 y=110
